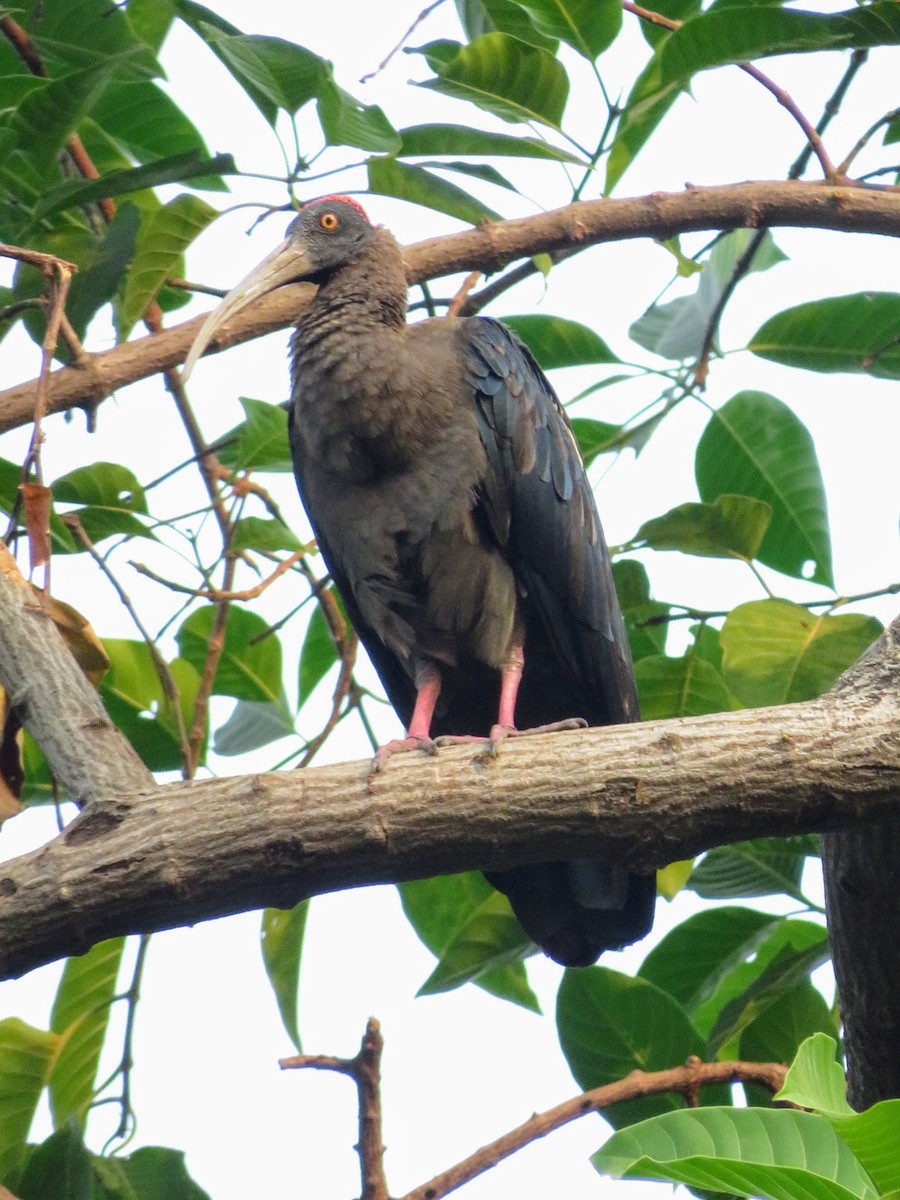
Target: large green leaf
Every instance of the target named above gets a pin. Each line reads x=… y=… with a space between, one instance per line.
x=595 y=437
x=438 y=909
x=764 y=867
x=260 y=442
x=160 y=246
x=755 y=446
x=680 y=687
x=252 y=725
x=274 y=73
x=731 y=527
x=80 y=1013
x=506 y=77
x=781 y=1027
x=640 y=611
x=60 y=1168
x=26 y=1057
x=490 y=937
x=281 y=942
x=856 y=333
x=151 y=1173
x=178 y=168
x=501 y=16
x=388 y=177
x=559 y=342
x=461 y=139
x=137 y=703
x=112 y=496
x=774 y=652
x=264 y=533
x=693 y=959
x=346 y=121
x=610 y=1024
x=49 y=114
x=588 y=26
x=249 y=666
x=741 y=32
x=775 y=1154
x=76 y=33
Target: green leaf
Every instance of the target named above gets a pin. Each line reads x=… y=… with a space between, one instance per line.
x=739 y=33
x=260 y=442
x=317 y=656
x=506 y=77
x=490 y=937
x=874 y=1137
x=178 y=168
x=388 y=177
x=816 y=1080
x=262 y=533
x=461 y=139
x=151 y=1173
x=47 y=115
x=136 y=702
x=101 y=277
x=112 y=494
x=26 y=1057
x=775 y=652
x=274 y=73
x=755 y=446
x=646 y=106
x=80 y=1014
x=249 y=666
x=559 y=342
x=775 y=1154
x=75 y=33
x=594 y=437
x=348 y=122
x=59 y=1168
x=160 y=245
x=764 y=867
x=678 y=329
x=501 y=16
x=680 y=687
x=858 y=333
x=786 y=959
x=733 y=526
x=252 y=725
x=633 y=587
x=281 y=942
x=780 y=1028
x=438 y=909
x=610 y=1024
x=588 y=26
x=694 y=957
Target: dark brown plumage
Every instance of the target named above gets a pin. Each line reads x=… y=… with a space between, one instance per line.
x=444 y=486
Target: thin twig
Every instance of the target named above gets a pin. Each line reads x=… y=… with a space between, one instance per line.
x=457 y=303
x=783 y=97
x=222 y=595
x=364 y=1070
x=426 y=12
x=863 y=141
x=694 y=1074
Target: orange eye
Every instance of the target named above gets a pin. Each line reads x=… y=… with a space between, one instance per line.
x=328 y=221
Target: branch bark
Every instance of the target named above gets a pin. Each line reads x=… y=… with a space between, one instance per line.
x=488 y=248
x=641 y=795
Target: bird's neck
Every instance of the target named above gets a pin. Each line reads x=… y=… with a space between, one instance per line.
x=368 y=291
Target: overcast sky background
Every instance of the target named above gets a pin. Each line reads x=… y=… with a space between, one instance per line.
x=458 y=1070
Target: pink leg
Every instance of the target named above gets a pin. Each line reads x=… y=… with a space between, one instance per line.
x=418 y=735
x=510 y=678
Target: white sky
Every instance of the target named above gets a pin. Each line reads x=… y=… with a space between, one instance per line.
x=461 y=1069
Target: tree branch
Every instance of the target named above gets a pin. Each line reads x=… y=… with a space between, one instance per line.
x=641 y=795
x=492 y=245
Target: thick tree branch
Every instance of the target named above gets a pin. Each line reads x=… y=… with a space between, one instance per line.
x=642 y=795
x=488 y=248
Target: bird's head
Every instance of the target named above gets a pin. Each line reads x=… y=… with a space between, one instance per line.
x=325 y=234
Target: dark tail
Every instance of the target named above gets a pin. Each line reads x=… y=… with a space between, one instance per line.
x=575 y=911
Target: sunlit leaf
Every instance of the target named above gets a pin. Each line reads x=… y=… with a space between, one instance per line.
x=733 y=526
x=506 y=77
x=501 y=16
x=137 y=703
x=816 y=1080
x=260 y=442
x=559 y=342
x=318 y=654
x=588 y=26
x=755 y=446
x=160 y=245
x=274 y=73
x=774 y=652
x=680 y=687
x=346 y=121
x=81 y=1012
x=779 y=1029
x=461 y=139
x=264 y=533
x=281 y=941
x=249 y=666
x=26 y=1056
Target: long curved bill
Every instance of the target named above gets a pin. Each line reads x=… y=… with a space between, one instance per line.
x=286 y=264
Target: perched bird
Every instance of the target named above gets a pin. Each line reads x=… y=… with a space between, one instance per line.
x=449 y=501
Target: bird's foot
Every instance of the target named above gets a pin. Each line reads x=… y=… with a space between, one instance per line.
x=401 y=746
x=499 y=733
